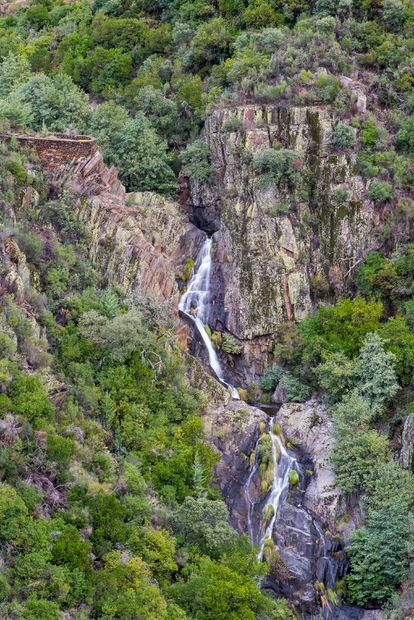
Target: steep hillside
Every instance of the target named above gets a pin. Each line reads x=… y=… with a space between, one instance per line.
x=207 y=309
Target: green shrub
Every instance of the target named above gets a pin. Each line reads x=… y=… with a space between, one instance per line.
x=369 y=134
x=380 y=191
x=270 y=379
x=276 y=165
x=379 y=554
x=405 y=137
x=195 y=161
x=229 y=344
x=343 y=135
x=296 y=391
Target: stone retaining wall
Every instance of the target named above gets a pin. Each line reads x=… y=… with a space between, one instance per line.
x=58 y=149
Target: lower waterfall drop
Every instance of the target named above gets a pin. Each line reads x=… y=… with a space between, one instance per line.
x=282 y=465
x=194 y=303
x=281 y=516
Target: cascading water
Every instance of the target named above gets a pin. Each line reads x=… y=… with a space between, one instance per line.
x=194 y=303
x=309 y=555
x=282 y=465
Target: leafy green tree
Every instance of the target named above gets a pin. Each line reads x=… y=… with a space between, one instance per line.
x=57 y=103
x=160 y=111
x=356 y=457
x=29 y=398
x=271 y=378
x=124 y=589
x=40 y=609
x=14 y=70
x=227 y=590
x=376 y=377
x=336 y=374
x=379 y=555
x=105 y=121
x=142 y=157
x=13 y=514
x=16 y=112
x=394 y=14
x=399 y=340
x=204 y=522
x=340 y=328
x=211 y=42
x=405 y=136
x=195 y=161
x=157 y=549
x=69 y=549
x=105 y=71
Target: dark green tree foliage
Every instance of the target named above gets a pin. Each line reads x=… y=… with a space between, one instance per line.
x=379 y=554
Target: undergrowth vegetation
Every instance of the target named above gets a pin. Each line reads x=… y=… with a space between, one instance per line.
x=108 y=507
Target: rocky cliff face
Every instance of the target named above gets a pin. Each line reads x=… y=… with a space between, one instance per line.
x=140 y=241
x=280 y=248
x=312 y=520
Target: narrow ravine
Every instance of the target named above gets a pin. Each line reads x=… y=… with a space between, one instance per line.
x=195 y=304
x=277 y=516
x=281 y=517
x=283 y=463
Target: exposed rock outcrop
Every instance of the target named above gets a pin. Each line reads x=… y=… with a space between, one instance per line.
x=140 y=240
x=140 y=243
x=309 y=427
x=233 y=430
x=282 y=247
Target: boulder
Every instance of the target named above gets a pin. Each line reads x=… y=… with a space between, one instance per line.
x=310 y=428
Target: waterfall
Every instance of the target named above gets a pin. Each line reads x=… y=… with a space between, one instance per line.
x=294 y=529
x=194 y=303
x=282 y=464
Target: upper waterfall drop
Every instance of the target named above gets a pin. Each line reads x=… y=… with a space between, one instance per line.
x=194 y=303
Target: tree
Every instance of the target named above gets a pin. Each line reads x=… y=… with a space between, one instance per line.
x=399 y=340
x=142 y=157
x=105 y=121
x=204 y=522
x=394 y=14
x=227 y=590
x=336 y=374
x=18 y=113
x=157 y=549
x=379 y=554
x=356 y=457
x=160 y=111
x=57 y=103
x=405 y=136
x=340 y=328
x=124 y=589
x=14 y=70
x=13 y=515
x=376 y=377
x=195 y=160
x=105 y=71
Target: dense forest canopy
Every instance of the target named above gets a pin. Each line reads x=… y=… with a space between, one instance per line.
x=108 y=503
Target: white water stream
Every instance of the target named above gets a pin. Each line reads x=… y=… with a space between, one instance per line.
x=194 y=303
x=282 y=464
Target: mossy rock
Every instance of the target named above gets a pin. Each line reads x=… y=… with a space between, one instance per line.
x=293 y=477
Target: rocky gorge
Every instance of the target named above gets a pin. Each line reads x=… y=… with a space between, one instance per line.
x=269 y=248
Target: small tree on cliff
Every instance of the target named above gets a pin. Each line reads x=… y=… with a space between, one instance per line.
x=142 y=158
